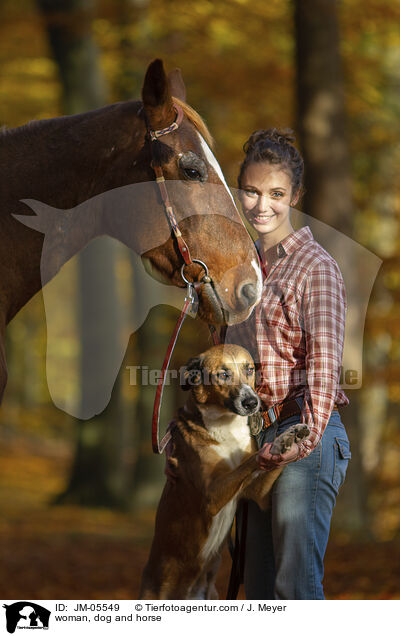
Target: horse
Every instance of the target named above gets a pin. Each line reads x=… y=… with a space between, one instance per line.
x=70 y=168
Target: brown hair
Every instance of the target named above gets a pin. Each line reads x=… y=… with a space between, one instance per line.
x=276 y=147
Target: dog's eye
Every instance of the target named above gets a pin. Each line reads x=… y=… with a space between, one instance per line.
x=249 y=370
x=223 y=376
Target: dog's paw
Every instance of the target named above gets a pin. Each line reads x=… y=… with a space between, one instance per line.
x=284 y=441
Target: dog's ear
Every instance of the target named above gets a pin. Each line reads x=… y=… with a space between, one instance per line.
x=192 y=373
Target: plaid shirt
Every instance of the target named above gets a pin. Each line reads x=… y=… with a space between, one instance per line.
x=296 y=333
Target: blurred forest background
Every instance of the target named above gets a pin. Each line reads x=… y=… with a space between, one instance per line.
x=78 y=498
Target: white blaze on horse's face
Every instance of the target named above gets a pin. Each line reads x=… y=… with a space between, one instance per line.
x=215 y=165
x=257 y=268
x=224 y=285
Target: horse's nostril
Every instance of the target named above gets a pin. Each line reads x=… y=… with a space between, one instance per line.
x=248 y=293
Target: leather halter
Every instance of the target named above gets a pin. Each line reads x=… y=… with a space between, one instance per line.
x=190 y=303
x=169 y=211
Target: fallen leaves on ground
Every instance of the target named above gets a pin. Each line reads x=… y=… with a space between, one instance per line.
x=67 y=552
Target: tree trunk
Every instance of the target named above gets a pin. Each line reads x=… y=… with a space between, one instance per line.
x=151 y=341
x=69 y=28
x=129 y=78
x=95 y=477
x=328 y=197
x=321 y=114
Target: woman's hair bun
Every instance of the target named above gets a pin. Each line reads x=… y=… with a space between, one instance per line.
x=275 y=146
x=262 y=138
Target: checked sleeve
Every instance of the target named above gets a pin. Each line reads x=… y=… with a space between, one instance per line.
x=323 y=312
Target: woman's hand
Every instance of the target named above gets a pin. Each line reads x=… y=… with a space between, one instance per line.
x=266 y=461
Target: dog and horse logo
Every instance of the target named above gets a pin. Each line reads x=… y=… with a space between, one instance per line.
x=26 y=615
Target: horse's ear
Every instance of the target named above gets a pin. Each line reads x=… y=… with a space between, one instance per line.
x=156 y=96
x=176 y=84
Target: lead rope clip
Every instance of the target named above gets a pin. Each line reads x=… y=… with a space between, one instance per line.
x=193 y=301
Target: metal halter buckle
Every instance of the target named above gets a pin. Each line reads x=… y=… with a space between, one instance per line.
x=206 y=278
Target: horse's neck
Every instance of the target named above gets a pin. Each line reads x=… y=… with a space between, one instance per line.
x=59 y=163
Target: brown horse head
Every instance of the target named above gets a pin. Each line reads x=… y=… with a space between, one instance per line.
x=202 y=204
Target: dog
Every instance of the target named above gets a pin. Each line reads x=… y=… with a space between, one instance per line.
x=213 y=457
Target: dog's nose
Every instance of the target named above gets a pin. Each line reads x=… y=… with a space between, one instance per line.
x=250 y=403
x=247 y=294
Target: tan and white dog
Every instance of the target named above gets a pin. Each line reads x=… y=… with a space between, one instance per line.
x=213 y=457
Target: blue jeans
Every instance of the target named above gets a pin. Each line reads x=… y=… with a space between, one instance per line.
x=285 y=545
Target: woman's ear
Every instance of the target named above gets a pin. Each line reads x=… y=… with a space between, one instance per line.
x=295 y=199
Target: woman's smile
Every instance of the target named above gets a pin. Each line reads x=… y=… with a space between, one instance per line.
x=262 y=218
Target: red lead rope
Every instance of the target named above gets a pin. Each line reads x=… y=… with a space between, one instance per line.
x=159 y=447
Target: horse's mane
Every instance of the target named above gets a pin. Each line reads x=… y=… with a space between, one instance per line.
x=196 y=120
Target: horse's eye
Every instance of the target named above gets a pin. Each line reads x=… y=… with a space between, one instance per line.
x=192 y=174
x=193 y=167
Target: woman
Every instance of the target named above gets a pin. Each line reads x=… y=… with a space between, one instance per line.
x=296 y=336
